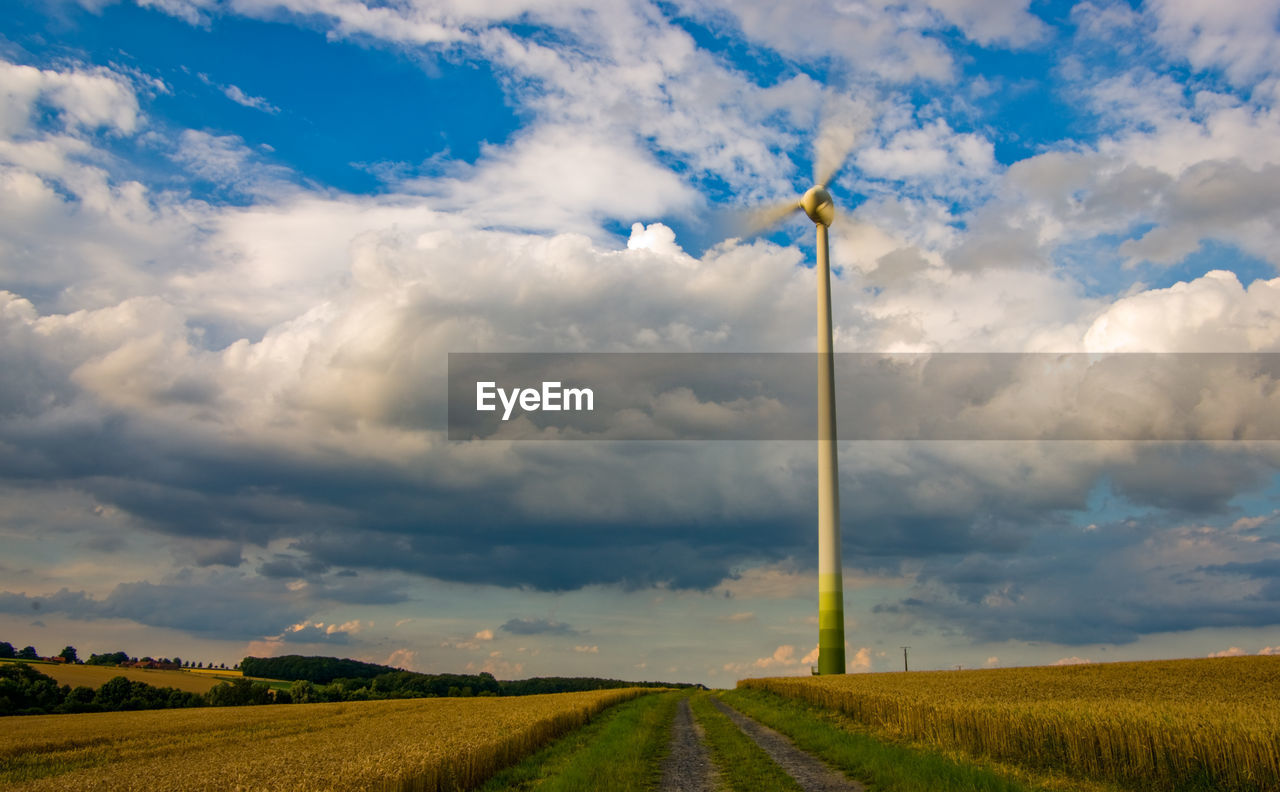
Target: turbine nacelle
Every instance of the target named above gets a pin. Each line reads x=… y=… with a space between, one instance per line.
x=817 y=204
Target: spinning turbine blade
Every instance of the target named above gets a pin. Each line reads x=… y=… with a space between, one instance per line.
x=831 y=148
x=764 y=218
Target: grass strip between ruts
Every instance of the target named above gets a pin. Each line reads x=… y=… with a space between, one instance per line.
x=622 y=749
x=743 y=765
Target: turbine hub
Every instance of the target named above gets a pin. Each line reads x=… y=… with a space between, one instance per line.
x=817 y=204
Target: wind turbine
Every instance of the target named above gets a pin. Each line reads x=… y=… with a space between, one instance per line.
x=816 y=203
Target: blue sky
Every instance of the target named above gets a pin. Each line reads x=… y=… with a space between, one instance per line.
x=238 y=239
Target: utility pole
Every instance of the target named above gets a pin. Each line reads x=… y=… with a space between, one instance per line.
x=904 y=658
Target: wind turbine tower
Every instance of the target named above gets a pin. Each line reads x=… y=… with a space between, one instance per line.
x=831 y=151
x=817 y=204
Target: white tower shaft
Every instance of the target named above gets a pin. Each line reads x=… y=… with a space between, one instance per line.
x=830 y=578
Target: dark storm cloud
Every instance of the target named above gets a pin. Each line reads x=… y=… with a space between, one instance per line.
x=1111 y=583
x=1265 y=570
x=561 y=561
x=538 y=627
x=367 y=590
x=627 y=515
x=228 y=611
x=64 y=601
x=244 y=611
x=291 y=567
x=217 y=554
x=1188 y=478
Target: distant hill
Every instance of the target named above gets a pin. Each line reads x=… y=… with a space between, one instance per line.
x=318 y=670
x=394 y=681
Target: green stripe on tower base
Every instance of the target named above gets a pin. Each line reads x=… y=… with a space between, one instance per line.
x=830 y=625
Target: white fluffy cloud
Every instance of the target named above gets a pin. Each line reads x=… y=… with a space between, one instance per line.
x=1241 y=37
x=1214 y=313
x=84 y=99
x=557 y=179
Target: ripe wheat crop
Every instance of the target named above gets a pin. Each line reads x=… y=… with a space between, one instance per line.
x=1160 y=725
x=420 y=744
x=97 y=676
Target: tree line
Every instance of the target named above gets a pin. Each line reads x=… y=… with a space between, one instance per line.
x=70 y=655
x=340 y=679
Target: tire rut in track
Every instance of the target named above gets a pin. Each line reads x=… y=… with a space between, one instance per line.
x=688 y=766
x=811 y=773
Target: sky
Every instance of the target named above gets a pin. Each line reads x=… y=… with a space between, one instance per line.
x=239 y=239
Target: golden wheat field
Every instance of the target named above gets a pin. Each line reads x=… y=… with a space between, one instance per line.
x=1211 y=724
x=418 y=744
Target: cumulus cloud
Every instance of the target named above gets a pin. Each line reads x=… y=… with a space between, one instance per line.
x=1234 y=651
x=1213 y=313
x=319 y=632
x=931 y=151
x=1239 y=37
x=402 y=658
x=84 y=99
x=557 y=178
x=786 y=661
x=783 y=660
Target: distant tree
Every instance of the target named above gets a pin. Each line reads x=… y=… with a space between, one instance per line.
x=7 y=650
x=114 y=693
x=69 y=654
x=28 y=653
x=178 y=662
x=80 y=699
x=302 y=692
x=26 y=691
x=320 y=670
x=239 y=692
x=107 y=659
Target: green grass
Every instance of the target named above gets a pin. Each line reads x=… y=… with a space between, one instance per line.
x=742 y=764
x=622 y=749
x=883 y=765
